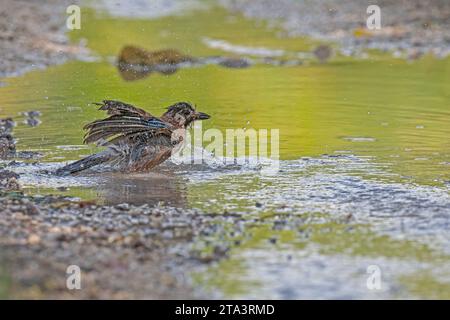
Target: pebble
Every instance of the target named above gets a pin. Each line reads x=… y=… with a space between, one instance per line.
x=123 y=206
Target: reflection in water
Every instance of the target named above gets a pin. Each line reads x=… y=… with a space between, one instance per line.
x=135 y=63
x=163 y=185
x=131 y=73
x=146 y=188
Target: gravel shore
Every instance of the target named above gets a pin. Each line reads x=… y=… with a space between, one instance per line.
x=123 y=251
x=409 y=28
x=33 y=35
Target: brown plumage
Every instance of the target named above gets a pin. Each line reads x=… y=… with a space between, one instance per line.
x=135 y=140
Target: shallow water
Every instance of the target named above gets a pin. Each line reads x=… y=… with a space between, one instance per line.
x=363 y=140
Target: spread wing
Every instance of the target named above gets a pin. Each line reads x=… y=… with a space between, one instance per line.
x=113 y=107
x=125 y=122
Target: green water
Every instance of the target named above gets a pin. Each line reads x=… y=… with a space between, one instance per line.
x=395 y=113
x=402 y=106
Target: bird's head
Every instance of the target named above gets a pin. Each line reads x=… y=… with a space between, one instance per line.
x=182 y=114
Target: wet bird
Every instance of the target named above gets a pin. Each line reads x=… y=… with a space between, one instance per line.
x=136 y=141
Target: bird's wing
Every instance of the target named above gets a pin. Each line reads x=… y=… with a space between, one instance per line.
x=125 y=122
x=114 y=107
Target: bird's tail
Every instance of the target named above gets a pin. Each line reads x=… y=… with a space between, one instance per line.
x=83 y=164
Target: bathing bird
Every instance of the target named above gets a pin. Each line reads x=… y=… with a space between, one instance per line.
x=135 y=140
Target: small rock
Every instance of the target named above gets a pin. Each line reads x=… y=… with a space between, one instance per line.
x=7 y=145
x=235 y=63
x=322 y=53
x=6 y=125
x=33 y=239
x=8 y=180
x=32 y=114
x=32 y=122
x=32 y=210
x=123 y=206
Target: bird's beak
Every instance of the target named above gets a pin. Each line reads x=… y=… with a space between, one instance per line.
x=202 y=116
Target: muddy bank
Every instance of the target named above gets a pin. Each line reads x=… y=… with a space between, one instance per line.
x=409 y=28
x=123 y=251
x=33 y=35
